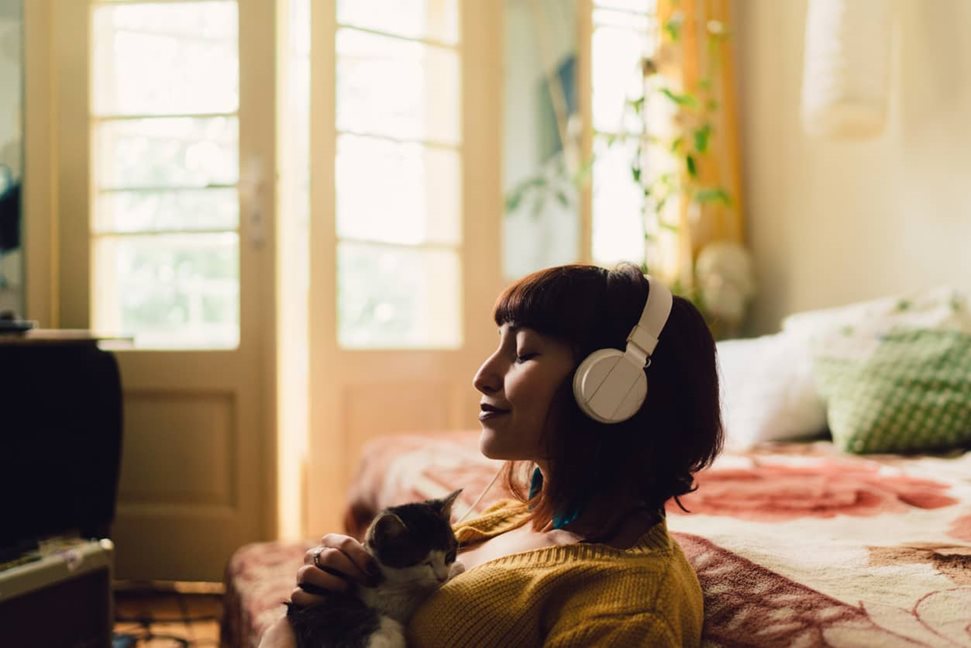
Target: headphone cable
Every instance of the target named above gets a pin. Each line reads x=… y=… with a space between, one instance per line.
x=479 y=498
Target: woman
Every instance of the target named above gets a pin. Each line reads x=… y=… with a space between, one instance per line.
x=583 y=558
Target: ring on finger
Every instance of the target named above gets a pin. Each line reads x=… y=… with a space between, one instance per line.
x=316 y=554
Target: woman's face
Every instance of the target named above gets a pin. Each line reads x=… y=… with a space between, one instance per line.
x=517 y=383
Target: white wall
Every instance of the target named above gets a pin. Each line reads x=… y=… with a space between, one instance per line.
x=11 y=136
x=835 y=222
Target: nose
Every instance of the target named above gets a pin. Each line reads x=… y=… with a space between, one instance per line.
x=487 y=379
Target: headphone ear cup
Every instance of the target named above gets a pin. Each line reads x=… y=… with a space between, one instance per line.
x=608 y=388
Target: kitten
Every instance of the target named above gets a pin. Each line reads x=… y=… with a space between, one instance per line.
x=414 y=548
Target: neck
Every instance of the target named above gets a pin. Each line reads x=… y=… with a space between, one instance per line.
x=628 y=521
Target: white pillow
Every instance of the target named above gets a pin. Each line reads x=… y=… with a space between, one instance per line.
x=767 y=390
x=942 y=309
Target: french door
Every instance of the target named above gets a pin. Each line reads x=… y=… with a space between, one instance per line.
x=164 y=132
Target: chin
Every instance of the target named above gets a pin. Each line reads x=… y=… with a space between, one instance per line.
x=488 y=445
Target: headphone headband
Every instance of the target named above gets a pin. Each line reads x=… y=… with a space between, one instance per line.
x=657 y=309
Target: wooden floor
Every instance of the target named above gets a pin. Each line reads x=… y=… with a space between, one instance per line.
x=160 y=618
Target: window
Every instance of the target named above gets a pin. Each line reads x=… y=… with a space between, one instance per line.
x=165 y=152
x=398 y=174
x=624 y=34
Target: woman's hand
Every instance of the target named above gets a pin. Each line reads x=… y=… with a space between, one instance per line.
x=332 y=565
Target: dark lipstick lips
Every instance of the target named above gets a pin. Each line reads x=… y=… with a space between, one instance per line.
x=487 y=411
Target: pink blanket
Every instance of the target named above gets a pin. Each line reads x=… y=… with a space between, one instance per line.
x=794 y=544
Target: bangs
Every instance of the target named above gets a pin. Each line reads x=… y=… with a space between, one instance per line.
x=544 y=301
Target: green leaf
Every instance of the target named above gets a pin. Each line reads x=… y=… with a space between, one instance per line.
x=583 y=173
x=636 y=104
x=635 y=172
x=692 y=166
x=672 y=26
x=712 y=195
x=677 y=144
x=513 y=199
x=701 y=137
x=682 y=99
x=562 y=198
x=671 y=227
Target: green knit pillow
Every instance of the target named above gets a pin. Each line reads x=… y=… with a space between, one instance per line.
x=911 y=392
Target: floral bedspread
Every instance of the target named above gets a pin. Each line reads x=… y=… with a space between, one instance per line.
x=794 y=544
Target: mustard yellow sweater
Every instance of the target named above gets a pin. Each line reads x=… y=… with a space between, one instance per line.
x=573 y=595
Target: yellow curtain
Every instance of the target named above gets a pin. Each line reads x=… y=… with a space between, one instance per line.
x=700 y=62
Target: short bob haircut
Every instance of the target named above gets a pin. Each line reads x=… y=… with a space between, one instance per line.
x=652 y=456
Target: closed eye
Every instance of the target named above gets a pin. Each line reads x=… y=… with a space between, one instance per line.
x=525 y=357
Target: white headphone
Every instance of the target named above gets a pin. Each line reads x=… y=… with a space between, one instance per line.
x=610 y=385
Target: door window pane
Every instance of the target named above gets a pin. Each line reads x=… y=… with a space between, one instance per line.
x=397 y=297
x=433 y=19
x=167 y=152
x=399 y=193
x=625 y=35
x=617 y=77
x=401 y=89
x=158 y=59
x=618 y=203
x=159 y=211
x=170 y=291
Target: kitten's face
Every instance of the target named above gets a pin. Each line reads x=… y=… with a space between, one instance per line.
x=414 y=543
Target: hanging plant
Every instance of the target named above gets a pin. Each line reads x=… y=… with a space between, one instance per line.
x=679 y=184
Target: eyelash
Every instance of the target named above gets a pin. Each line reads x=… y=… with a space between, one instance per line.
x=526 y=356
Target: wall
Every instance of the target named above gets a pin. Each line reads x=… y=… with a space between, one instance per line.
x=11 y=135
x=835 y=222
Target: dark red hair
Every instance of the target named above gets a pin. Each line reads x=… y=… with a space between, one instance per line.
x=651 y=457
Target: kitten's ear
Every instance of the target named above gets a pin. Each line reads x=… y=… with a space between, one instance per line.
x=388 y=525
x=445 y=504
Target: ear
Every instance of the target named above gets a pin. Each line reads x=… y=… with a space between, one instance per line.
x=445 y=504
x=388 y=525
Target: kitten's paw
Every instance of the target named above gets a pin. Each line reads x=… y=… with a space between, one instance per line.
x=390 y=634
x=456 y=569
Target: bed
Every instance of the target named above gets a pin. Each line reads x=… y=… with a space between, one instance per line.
x=861 y=539
x=795 y=544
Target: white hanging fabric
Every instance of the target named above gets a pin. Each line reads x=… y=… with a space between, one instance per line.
x=846 y=67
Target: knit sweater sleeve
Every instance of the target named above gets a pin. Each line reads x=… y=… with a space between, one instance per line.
x=643 y=629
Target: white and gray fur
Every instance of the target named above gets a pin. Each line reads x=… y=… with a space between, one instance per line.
x=414 y=549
